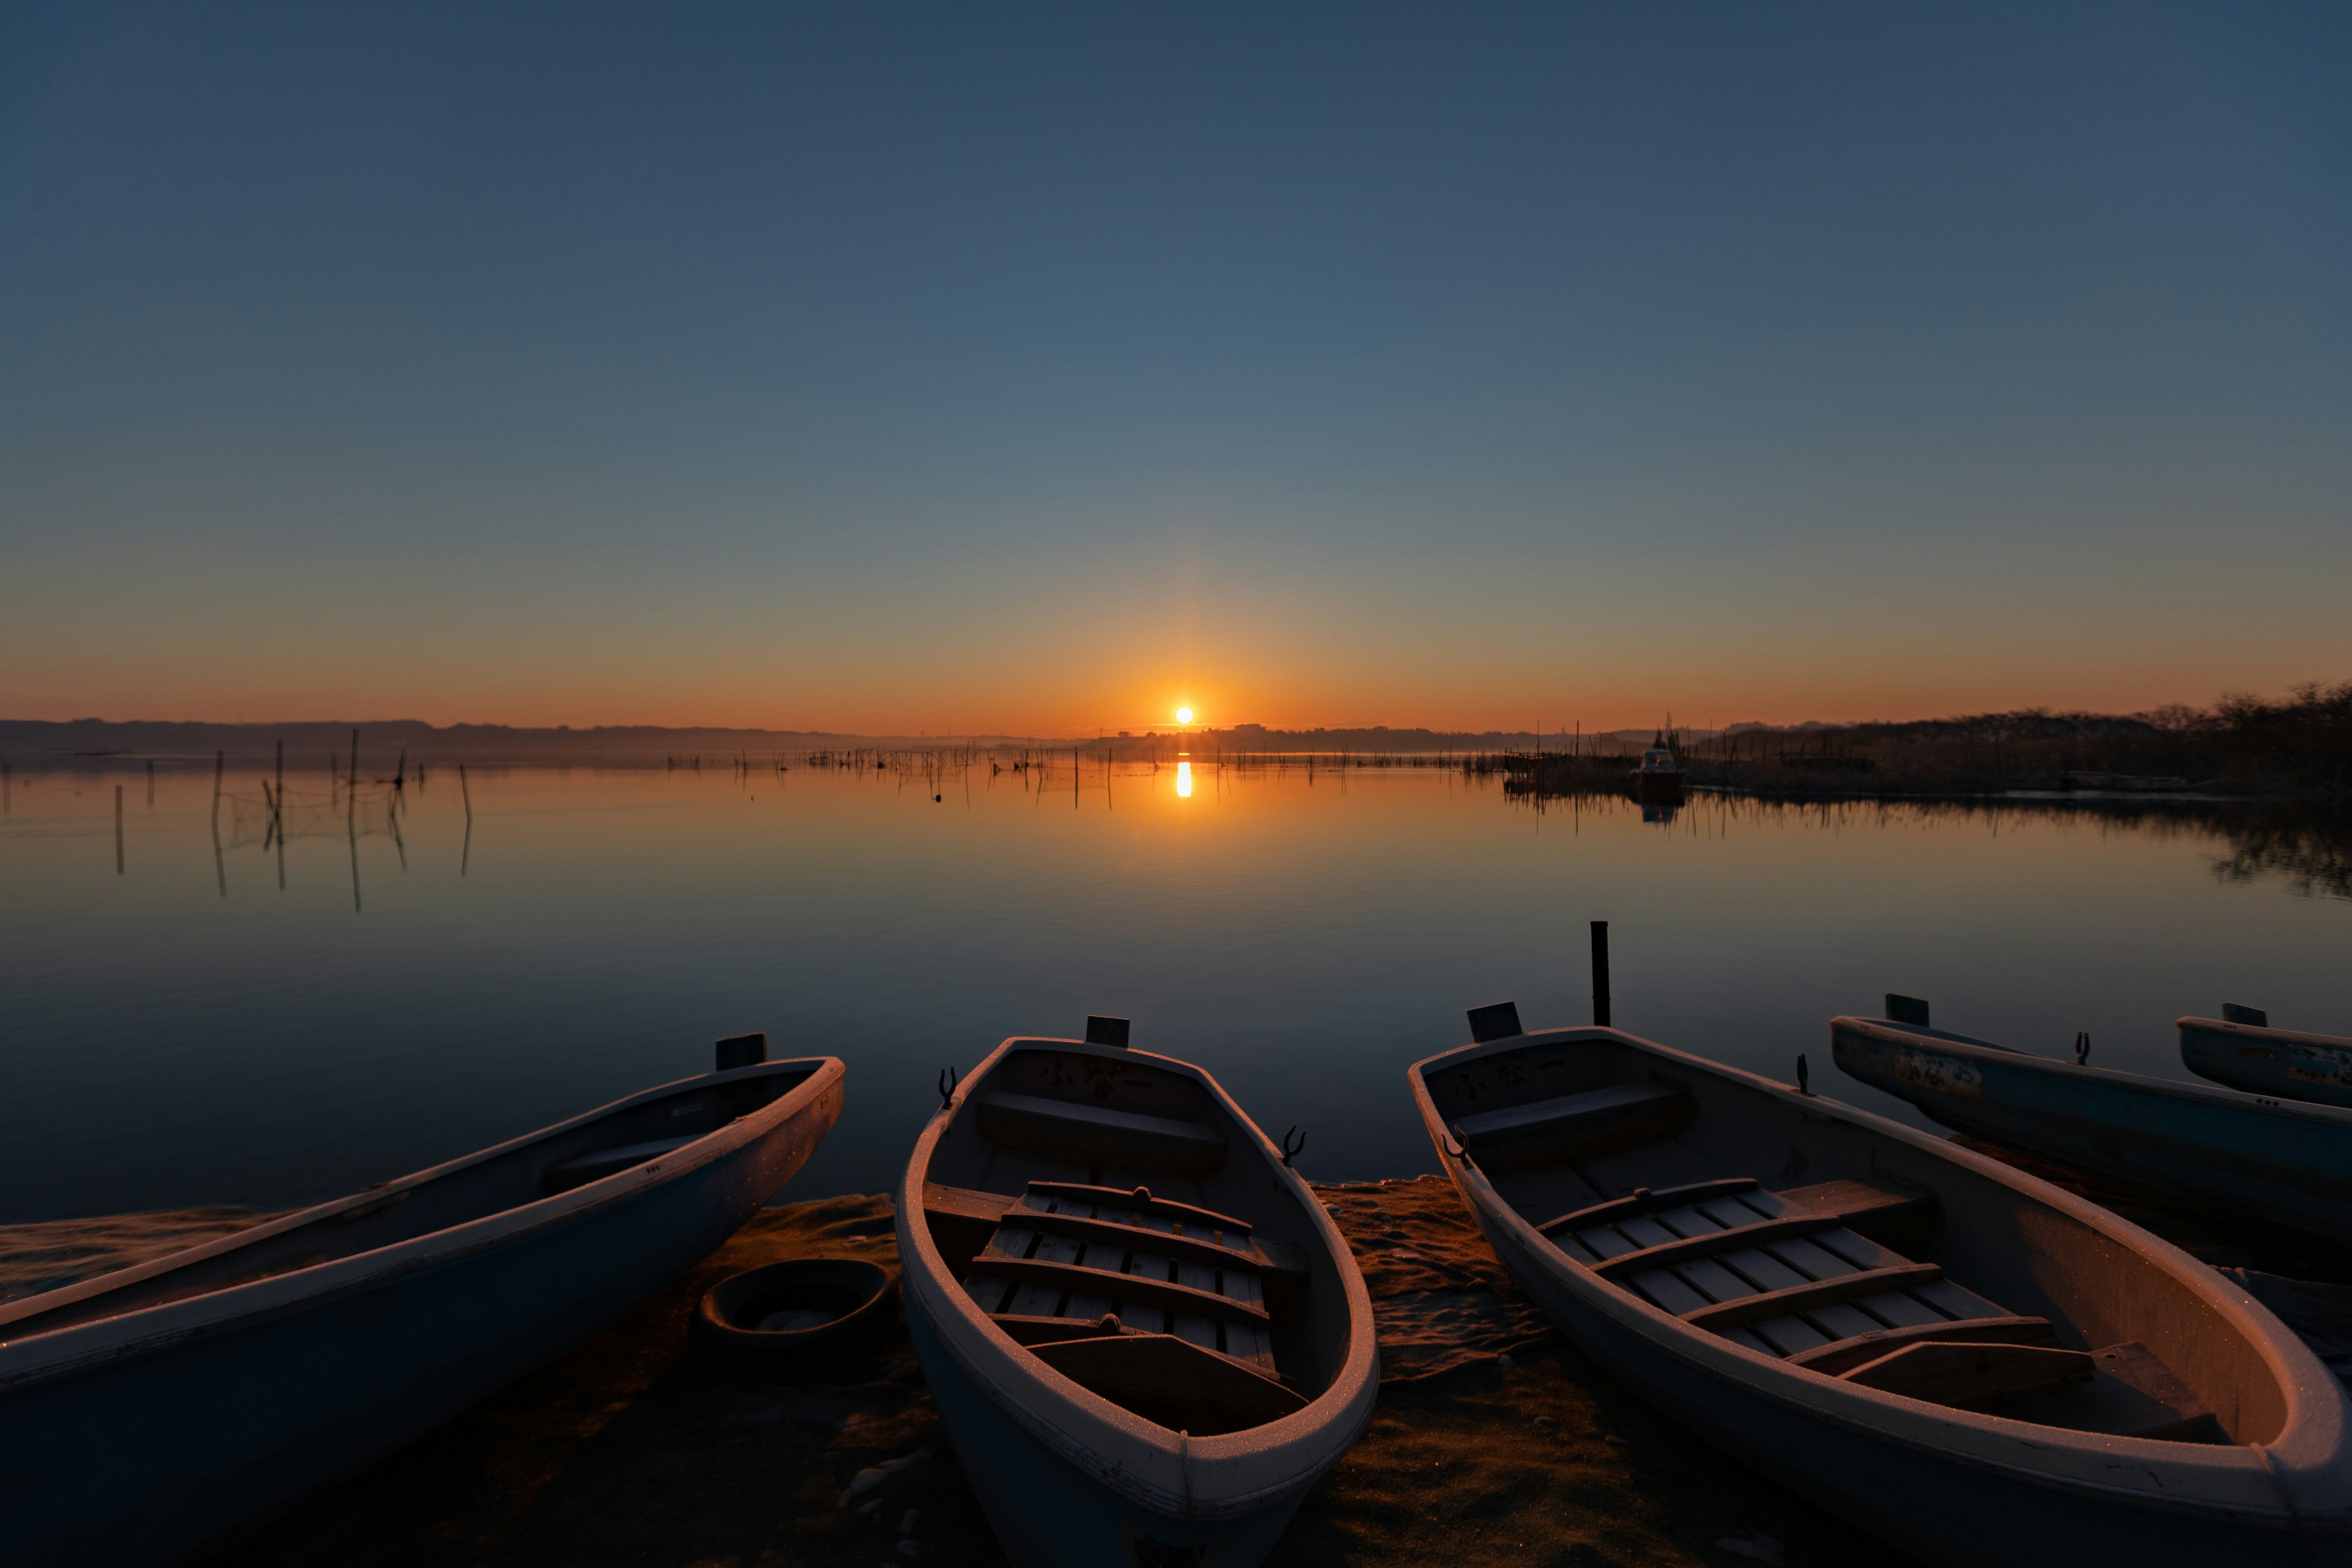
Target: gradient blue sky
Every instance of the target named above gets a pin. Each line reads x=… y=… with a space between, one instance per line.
x=895 y=367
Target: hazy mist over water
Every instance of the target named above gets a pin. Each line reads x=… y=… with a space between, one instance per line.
x=185 y=1032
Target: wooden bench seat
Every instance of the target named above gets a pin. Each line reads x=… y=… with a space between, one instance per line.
x=1806 y=1211
x=1571 y=1127
x=1067 y=1261
x=1814 y=1293
x=1797 y=1274
x=1641 y=1200
x=1804 y=1274
x=962 y=1221
x=1124 y=1287
x=1142 y=1201
x=1085 y=1134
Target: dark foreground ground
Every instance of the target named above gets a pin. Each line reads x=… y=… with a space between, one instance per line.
x=1492 y=1443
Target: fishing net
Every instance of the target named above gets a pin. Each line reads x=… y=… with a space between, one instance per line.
x=261 y=816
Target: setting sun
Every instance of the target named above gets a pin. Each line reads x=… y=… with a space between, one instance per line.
x=1184 y=715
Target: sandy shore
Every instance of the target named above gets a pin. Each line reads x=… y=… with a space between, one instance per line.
x=637 y=1452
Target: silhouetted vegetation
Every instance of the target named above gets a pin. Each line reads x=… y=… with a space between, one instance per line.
x=2242 y=745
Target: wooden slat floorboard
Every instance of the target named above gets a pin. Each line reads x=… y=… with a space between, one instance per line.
x=1809 y=1295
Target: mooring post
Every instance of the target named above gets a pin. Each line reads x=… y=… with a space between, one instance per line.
x=117 y=830
x=1600 y=973
x=220 y=765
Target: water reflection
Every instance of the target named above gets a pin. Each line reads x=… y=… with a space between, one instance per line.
x=2309 y=852
x=165 y=1043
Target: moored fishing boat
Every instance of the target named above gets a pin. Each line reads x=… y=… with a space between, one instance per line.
x=2287 y=1162
x=1144 y=1334
x=2240 y=1048
x=1660 y=779
x=150 y=1411
x=1967 y=1361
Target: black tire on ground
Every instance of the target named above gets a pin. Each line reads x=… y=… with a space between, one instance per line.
x=862 y=1296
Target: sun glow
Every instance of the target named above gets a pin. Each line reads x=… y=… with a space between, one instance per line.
x=1184 y=715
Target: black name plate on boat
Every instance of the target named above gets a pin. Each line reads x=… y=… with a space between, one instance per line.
x=1101 y=1031
x=1499 y=1022
x=742 y=1051
x=1908 y=1010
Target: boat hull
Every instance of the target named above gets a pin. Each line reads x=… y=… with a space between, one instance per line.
x=2289 y=1163
x=1658 y=788
x=1047 y=1513
x=1071 y=1478
x=2285 y=1063
x=1953 y=1483
x=1963 y=1515
x=146 y=1458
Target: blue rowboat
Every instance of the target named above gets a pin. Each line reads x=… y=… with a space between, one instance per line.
x=1145 y=1336
x=1968 y=1361
x=2287 y=1161
x=2243 y=1051
x=146 y=1412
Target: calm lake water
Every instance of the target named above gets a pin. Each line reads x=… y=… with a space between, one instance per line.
x=186 y=1031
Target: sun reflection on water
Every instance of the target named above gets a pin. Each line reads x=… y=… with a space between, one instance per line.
x=1183 y=781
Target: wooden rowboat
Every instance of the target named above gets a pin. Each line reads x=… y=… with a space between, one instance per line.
x=1966 y=1361
x=1145 y=1335
x=147 y=1412
x=2287 y=1161
x=2240 y=1050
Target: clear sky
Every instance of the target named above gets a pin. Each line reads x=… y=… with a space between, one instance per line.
x=895 y=367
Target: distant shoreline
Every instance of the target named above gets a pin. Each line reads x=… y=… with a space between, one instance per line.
x=138 y=740
x=2299 y=746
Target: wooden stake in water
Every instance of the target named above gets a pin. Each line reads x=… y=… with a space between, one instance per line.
x=1600 y=973
x=117 y=830
x=220 y=765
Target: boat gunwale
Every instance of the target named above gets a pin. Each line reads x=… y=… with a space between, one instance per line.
x=70 y=1348
x=2267 y=1032
x=2206 y=1093
x=1178 y=1473
x=2309 y=1447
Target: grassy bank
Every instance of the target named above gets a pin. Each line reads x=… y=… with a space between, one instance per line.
x=2297 y=745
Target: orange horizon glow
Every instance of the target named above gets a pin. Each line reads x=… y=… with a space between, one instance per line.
x=1696 y=701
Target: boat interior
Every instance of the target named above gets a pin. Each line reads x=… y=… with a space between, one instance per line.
x=392 y=1212
x=1842 y=1252
x=1112 y=1216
